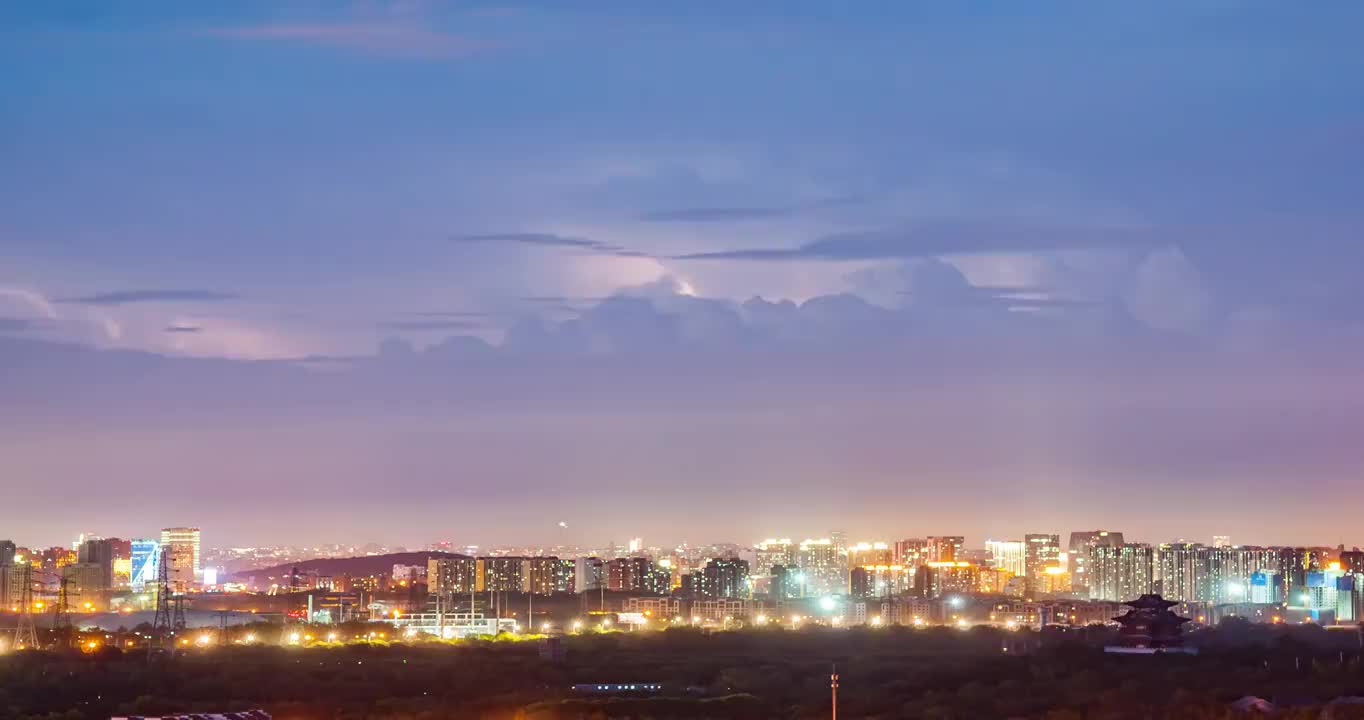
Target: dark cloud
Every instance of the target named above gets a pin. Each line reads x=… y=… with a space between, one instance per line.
x=465 y=314
x=182 y=329
x=932 y=239
x=716 y=214
x=550 y=240
x=124 y=297
x=738 y=213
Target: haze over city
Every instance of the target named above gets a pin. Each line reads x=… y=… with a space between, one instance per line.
x=303 y=273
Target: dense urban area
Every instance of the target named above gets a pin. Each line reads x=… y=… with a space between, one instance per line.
x=920 y=627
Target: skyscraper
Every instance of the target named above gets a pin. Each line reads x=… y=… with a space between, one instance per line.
x=1041 y=550
x=1121 y=573
x=589 y=574
x=1081 y=552
x=944 y=548
x=180 y=550
x=724 y=578
x=98 y=553
x=825 y=569
x=1007 y=555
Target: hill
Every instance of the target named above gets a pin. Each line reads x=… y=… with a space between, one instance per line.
x=353 y=566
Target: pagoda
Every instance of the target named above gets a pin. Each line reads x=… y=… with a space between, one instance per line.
x=1150 y=625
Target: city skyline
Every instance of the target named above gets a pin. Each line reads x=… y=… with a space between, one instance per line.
x=405 y=270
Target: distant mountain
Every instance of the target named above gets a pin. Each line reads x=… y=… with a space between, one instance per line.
x=354 y=566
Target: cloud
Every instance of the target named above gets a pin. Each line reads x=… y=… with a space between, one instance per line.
x=433 y=324
x=938 y=238
x=124 y=297
x=1168 y=293
x=33 y=300
x=716 y=214
x=392 y=38
x=18 y=325
x=182 y=329
x=550 y=240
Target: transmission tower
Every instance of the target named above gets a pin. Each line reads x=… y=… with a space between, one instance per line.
x=25 y=634
x=61 y=614
x=162 y=625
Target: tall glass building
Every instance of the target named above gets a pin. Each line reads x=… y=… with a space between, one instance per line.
x=146 y=555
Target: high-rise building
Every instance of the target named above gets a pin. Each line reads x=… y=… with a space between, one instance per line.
x=589 y=573
x=911 y=552
x=825 y=569
x=724 y=578
x=840 y=540
x=180 y=550
x=936 y=579
x=864 y=553
x=451 y=575
x=145 y=555
x=86 y=582
x=1352 y=561
x=772 y=552
x=1007 y=555
x=501 y=574
x=945 y=548
x=1080 y=552
x=99 y=553
x=1041 y=551
x=1121 y=573
x=1266 y=588
x=786 y=582
x=7 y=552
x=544 y=575
x=639 y=575
x=1221 y=541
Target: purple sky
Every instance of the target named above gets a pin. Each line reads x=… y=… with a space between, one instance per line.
x=395 y=271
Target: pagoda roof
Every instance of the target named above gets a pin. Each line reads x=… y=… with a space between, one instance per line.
x=1151 y=601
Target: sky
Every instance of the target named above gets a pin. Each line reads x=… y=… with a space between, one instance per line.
x=305 y=272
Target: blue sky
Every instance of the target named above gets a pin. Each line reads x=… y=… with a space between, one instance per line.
x=1052 y=199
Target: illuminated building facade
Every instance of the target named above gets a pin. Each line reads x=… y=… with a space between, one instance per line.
x=1008 y=555
x=995 y=581
x=451 y=575
x=144 y=556
x=879 y=581
x=787 y=582
x=1041 y=551
x=1080 y=550
x=944 y=548
x=936 y=579
x=723 y=578
x=864 y=553
x=911 y=552
x=1121 y=573
x=772 y=552
x=826 y=571
x=638 y=574
x=180 y=550
x=544 y=575
x=501 y=574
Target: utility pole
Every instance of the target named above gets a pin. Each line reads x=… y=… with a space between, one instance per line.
x=833 y=691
